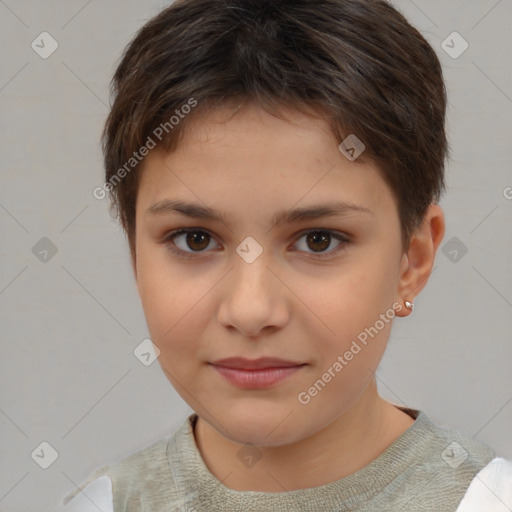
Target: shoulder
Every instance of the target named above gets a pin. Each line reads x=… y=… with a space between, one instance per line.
x=91 y=496
x=440 y=464
x=128 y=478
x=97 y=490
x=455 y=448
x=491 y=489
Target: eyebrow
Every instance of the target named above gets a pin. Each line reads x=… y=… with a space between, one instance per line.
x=197 y=211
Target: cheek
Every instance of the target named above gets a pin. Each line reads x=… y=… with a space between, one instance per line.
x=356 y=310
x=174 y=303
x=165 y=294
x=172 y=309
x=355 y=297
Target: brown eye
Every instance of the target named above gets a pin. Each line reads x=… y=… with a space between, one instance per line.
x=197 y=240
x=318 y=240
x=188 y=242
x=317 y=243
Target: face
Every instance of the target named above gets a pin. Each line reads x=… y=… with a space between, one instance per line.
x=316 y=291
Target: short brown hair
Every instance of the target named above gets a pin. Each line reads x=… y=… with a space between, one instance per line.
x=359 y=62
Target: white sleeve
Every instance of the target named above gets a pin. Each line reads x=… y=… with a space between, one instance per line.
x=97 y=496
x=491 y=489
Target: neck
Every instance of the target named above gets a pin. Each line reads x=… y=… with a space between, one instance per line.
x=350 y=442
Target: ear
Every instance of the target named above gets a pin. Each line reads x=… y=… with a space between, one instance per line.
x=417 y=262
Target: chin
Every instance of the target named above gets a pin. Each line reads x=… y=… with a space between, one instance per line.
x=262 y=426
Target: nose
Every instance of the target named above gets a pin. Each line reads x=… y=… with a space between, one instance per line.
x=254 y=299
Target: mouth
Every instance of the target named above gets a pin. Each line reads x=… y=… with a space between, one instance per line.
x=256 y=373
x=241 y=363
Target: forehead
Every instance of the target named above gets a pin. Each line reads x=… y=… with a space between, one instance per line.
x=252 y=159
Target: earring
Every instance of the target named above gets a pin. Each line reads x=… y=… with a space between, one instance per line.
x=409 y=305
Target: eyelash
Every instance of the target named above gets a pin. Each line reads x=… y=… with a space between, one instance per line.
x=168 y=241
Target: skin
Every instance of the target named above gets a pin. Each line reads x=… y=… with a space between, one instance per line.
x=286 y=303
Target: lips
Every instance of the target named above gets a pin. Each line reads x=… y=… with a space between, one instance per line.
x=254 y=374
x=240 y=363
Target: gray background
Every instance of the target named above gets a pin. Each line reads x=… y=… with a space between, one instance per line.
x=69 y=325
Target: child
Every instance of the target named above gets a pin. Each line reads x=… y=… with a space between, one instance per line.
x=301 y=146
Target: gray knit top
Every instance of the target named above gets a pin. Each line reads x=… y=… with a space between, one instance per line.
x=427 y=468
